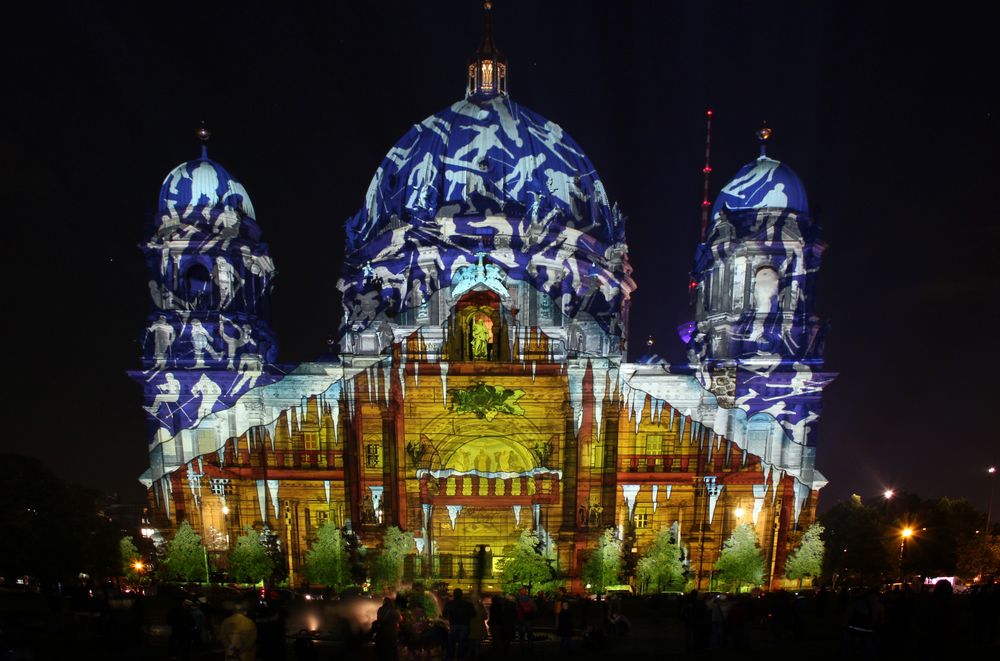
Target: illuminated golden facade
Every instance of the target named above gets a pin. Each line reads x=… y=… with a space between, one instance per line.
x=482 y=386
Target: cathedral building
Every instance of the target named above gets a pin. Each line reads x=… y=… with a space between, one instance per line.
x=482 y=385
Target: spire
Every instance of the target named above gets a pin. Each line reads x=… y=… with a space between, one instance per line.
x=488 y=68
x=763 y=135
x=707 y=170
x=203 y=134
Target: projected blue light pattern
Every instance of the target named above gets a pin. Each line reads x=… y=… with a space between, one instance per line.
x=200 y=191
x=480 y=196
x=206 y=341
x=763 y=183
x=485 y=174
x=757 y=340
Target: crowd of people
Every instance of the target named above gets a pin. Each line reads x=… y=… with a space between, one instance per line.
x=863 y=623
x=466 y=624
x=247 y=625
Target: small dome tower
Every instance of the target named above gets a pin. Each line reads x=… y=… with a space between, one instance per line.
x=207 y=338
x=756 y=271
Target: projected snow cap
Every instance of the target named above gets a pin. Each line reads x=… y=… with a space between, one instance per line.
x=485 y=155
x=200 y=190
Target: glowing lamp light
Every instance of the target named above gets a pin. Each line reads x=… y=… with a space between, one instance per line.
x=138 y=565
x=225 y=510
x=991 y=470
x=907 y=533
x=739 y=512
x=889 y=493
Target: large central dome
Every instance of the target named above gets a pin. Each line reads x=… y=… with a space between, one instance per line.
x=482 y=156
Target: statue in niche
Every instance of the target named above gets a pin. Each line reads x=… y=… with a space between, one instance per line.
x=514 y=463
x=227 y=280
x=368 y=511
x=496 y=460
x=482 y=337
x=482 y=461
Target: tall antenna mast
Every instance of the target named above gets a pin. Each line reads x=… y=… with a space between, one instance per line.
x=707 y=170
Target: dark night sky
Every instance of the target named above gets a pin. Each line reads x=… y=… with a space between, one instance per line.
x=888 y=115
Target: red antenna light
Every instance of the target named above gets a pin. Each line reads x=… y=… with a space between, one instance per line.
x=707 y=170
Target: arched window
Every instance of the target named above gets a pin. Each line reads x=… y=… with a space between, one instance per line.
x=198 y=287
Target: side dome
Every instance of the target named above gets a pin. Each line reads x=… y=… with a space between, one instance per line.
x=485 y=155
x=763 y=183
x=200 y=190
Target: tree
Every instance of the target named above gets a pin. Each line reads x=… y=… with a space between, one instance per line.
x=327 y=560
x=741 y=561
x=604 y=564
x=857 y=536
x=129 y=555
x=53 y=530
x=185 y=558
x=249 y=561
x=272 y=545
x=807 y=559
x=524 y=565
x=661 y=568
x=387 y=566
x=979 y=557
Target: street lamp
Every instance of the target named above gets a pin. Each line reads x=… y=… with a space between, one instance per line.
x=888 y=495
x=904 y=535
x=992 y=472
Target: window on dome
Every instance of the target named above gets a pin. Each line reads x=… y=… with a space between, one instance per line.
x=486 y=75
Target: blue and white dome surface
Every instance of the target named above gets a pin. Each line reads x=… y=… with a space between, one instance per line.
x=201 y=188
x=480 y=168
x=485 y=154
x=763 y=183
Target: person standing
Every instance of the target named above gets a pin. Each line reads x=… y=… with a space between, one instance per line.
x=564 y=622
x=525 y=620
x=459 y=614
x=239 y=636
x=182 y=630
x=387 y=633
x=477 y=627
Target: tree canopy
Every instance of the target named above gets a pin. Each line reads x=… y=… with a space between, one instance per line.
x=807 y=559
x=741 y=561
x=129 y=556
x=525 y=565
x=249 y=561
x=661 y=567
x=185 y=558
x=855 y=535
x=604 y=563
x=387 y=565
x=52 y=529
x=327 y=560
